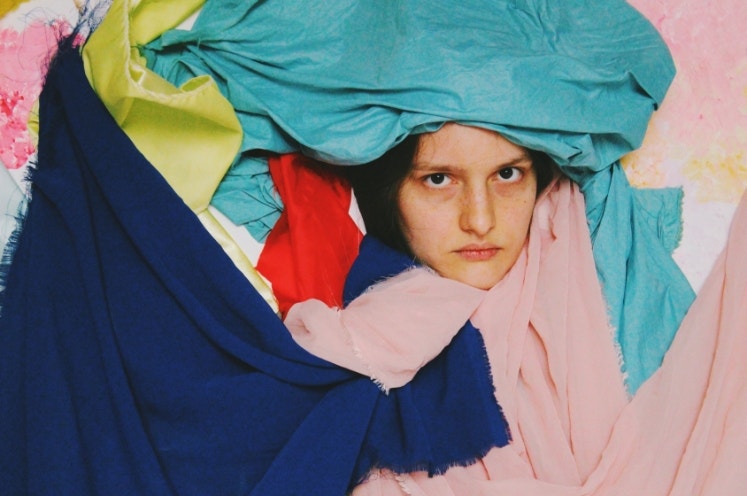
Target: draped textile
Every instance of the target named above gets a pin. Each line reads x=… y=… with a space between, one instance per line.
x=554 y=366
x=135 y=358
x=190 y=134
x=344 y=81
x=247 y=196
x=405 y=320
x=310 y=250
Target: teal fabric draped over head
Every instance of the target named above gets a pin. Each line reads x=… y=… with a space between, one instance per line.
x=344 y=81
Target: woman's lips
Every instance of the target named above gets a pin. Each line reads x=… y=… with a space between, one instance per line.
x=475 y=253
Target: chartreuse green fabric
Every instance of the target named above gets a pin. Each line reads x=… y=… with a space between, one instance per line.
x=189 y=133
x=343 y=81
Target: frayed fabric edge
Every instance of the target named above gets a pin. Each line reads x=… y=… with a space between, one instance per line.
x=399 y=473
x=8 y=252
x=91 y=13
x=359 y=355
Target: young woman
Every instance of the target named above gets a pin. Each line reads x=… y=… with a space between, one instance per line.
x=135 y=358
x=463 y=205
x=459 y=202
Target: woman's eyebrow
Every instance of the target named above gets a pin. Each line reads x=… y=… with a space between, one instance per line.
x=425 y=165
x=436 y=166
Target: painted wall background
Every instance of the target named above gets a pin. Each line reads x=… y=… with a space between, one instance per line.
x=697 y=140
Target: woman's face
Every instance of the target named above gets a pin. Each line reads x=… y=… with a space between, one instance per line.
x=467 y=203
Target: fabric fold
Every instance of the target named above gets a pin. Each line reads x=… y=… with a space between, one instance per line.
x=310 y=250
x=392 y=330
x=366 y=75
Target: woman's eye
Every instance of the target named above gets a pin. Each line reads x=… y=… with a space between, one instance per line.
x=437 y=180
x=510 y=174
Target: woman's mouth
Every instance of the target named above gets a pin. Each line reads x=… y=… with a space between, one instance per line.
x=476 y=253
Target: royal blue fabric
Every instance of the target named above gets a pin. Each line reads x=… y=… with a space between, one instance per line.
x=375 y=263
x=10 y=209
x=136 y=359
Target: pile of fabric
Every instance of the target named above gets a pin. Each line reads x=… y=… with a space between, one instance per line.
x=141 y=350
x=275 y=77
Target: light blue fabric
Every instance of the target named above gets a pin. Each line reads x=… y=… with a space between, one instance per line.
x=633 y=234
x=247 y=196
x=343 y=81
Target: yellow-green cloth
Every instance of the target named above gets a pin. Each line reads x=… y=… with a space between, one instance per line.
x=190 y=134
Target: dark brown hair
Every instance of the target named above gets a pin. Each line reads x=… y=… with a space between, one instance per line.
x=377 y=184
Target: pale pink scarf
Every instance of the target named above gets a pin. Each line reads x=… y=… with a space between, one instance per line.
x=556 y=372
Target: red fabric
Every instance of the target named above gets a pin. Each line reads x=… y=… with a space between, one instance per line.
x=314 y=242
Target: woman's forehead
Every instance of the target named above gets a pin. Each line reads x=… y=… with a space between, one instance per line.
x=457 y=144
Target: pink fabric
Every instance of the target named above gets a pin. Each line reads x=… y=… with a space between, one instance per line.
x=556 y=372
x=392 y=330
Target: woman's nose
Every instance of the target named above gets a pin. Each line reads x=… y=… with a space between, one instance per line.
x=477 y=215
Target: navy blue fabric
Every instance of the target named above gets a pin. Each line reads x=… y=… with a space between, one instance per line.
x=376 y=262
x=136 y=359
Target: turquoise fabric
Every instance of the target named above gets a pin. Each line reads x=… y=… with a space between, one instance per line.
x=247 y=196
x=633 y=234
x=343 y=81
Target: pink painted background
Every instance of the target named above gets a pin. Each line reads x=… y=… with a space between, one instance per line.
x=698 y=139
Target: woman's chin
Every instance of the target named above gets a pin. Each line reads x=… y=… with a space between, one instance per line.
x=479 y=277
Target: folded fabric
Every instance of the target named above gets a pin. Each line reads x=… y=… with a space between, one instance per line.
x=394 y=328
x=246 y=195
x=344 y=81
x=135 y=358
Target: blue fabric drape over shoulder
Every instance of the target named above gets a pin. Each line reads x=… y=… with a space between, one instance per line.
x=136 y=359
x=343 y=81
